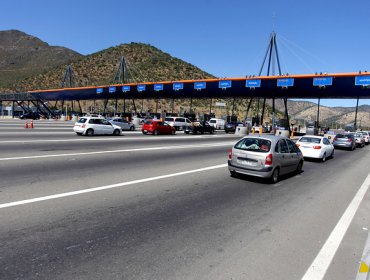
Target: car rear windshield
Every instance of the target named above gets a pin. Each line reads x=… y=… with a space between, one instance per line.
x=148 y=122
x=310 y=140
x=212 y=121
x=82 y=120
x=254 y=144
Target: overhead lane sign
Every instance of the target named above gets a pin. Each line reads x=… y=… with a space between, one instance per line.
x=112 y=89
x=126 y=88
x=322 y=81
x=285 y=82
x=158 y=87
x=362 y=81
x=178 y=86
x=253 y=83
x=224 y=84
x=99 y=90
x=200 y=85
x=141 y=87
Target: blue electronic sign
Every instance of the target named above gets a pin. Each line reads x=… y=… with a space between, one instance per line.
x=99 y=90
x=200 y=85
x=112 y=89
x=224 y=84
x=126 y=88
x=362 y=81
x=141 y=87
x=285 y=82
x=158 y=87
x=253 y=83
x=178 y=86
x=322 y=81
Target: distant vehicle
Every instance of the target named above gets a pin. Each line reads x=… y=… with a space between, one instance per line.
x=359 y=139
x=217 y=123
x=315 y=147
x=231 y=126
x=95 y=126
x=156 y=127
x=178 y=122
x=366 y=134
x=346 y=141
x=121 y=122
x=31 y=115
x=199 y=127
x=266 y=156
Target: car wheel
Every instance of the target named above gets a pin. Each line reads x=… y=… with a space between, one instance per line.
x=323 y=158
x=144 y=132
x=174 y=132
x=211 y=132
x=90 y=132
x=132 y=128
x=116 y=132
x=79 y=133
x=186 y=132
x=155 y=132
x=275 y=176
x=233 y=174
x=299 y=167
x=332 y=154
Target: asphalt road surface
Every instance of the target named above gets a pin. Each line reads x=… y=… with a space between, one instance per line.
x=165 y=207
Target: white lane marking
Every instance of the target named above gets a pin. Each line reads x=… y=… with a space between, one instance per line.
x=122 y=151
x=365 y=260
x=320 y=265
x=60 y=195
x=149 y=138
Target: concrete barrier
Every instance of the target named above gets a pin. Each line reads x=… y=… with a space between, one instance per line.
x=241 y=130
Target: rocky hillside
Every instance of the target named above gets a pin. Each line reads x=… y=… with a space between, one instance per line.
x=22 y=56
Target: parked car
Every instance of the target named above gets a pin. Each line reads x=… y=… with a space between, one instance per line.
x=217 y=123
x=156 y=127
x=346 y=141
x=359 y=139
x=178 y=122
x=266 y=156
x=199 y=127
x=315 y=147
x=121 y=122
x=31 y=115
x=96 y=126
x=231 y=126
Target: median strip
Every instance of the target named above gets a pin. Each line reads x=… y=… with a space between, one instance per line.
x=60 y=195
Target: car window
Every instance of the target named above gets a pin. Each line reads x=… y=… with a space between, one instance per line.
x=82 y=120
x=281 y=147
x=159 y=123
x=168 y=119
x=188 y=121
x=212 y=121
x=180 y=119
x=165 y=124
x=310 y=140
x=254 y=144
x=292 y=147
x=148 y=122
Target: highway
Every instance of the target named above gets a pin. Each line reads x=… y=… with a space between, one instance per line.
x=165 y=207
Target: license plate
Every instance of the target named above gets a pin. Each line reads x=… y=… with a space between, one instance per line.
x=246 y=162
x=145 y=130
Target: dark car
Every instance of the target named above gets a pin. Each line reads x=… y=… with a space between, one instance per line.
x=346 y=141
x=201 y=127
x=32 y=116
x=231 y=126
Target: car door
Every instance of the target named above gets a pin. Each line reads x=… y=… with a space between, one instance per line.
x=327 y=146
x=294 y=155
x=97 y=126
x=282 y=156
x=107 y=127
x=166 y=128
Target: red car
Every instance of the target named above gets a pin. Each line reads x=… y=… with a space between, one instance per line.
x=157 y=127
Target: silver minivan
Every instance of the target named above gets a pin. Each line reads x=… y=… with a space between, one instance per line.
x=266 y=156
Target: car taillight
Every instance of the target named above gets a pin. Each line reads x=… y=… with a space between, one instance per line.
x=335 y=139
x=298 y=145
x=349 y=140
x=83 y=126
x=268 y=160
x=231 y=153
x=317 y=147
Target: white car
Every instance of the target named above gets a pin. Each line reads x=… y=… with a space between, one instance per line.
x=96 y=126
x=121 y=122
x=315 y=147
x=366 y=134
x=217 y=123
x=179 y=123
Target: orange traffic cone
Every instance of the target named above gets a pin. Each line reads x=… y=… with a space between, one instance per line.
x=31 y=125
x=26 y=124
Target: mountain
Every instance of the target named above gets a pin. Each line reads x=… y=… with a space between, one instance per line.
x=144 y=63
x=23 y=55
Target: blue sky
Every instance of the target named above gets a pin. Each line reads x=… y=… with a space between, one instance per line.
x=224 y=38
